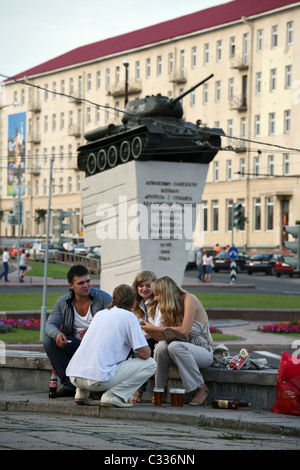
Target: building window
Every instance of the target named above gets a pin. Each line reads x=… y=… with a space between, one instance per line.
x=97 y=117
x=289 y=33
x=89 y=82
x=61 y=185
x=194 y=57
x=287 y=121
x=204 y=216
x=219 y=50
x=45 y=124
x=205 y=93
x=206 y=54
x=271 y=123
x=71 y=86
x=61 y=153
x=232 y=47
x=245 y=49
x=255 y=167
x=53 y=122
x=274 y=37
x=69 y=184
x=117 y=75
x=288 y=76
x=269 y=213
x=215 y=216
x=273 y=77
x=171 y=62
x=242 y=168
x=193 y=98
x=148 y=68
x=286 y=164
x=260 y=36
x=229 y=170
x=107 y=77
x=216 y=171
x=46 y=95
x=98 y=80
x=218 y=91
x=137 y=70
x=182 y=64
x=158 y=66
x=257 y=213
x=88 y=115
x=230 y=128
x=270 y=165
x=257 y=125
x=62 y=121
x=231 y=89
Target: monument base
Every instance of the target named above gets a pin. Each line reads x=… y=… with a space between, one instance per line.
x=143 y=215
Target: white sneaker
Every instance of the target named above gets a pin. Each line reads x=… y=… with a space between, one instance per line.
x=109 y=399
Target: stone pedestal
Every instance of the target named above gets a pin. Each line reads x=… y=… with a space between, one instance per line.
x=143 y=215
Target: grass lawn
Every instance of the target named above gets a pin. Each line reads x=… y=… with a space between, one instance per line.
x=33 y=301
x=20 y=335
x=55 y=270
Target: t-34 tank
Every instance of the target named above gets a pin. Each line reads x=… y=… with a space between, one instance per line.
x=152 y=129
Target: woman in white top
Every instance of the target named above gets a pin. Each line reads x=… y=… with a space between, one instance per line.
x=208 y=262
x=23 y=265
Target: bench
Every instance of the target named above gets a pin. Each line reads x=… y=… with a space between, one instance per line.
x=29 y=370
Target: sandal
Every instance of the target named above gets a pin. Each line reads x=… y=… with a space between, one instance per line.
x=135 y=399
x=203 y=401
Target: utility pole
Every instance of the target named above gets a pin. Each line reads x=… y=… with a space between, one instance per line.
x=44 y=306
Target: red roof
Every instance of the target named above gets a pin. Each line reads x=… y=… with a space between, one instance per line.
x=208 y=18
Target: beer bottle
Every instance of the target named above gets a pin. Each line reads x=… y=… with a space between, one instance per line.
x=229 y=403
x=53 y=385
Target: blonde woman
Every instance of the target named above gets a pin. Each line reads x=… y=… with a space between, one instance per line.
x=184 y=313
x=142 y=287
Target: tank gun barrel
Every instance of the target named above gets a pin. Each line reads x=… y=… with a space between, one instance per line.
x=173 y=101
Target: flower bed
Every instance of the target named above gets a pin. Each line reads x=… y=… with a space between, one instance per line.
x=286 y=327
x=8 y=325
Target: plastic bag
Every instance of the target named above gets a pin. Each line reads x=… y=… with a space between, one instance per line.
x=288 y=386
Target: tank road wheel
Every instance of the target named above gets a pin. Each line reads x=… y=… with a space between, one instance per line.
x=137 y=146
x=91 y=163
x=112 y=156
x=101 y=159
x=125 y=151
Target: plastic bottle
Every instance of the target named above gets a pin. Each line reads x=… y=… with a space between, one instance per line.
x=229 y=403
x=53 y=385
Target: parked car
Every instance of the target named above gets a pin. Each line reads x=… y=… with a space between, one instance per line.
x=23 y=246
x=95 y=252
x=222 y=261
x=38 y=251
x=262 y=263
x=80 y=249
x=282 y=266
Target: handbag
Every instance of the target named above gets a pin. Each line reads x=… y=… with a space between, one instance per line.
x=173 y=335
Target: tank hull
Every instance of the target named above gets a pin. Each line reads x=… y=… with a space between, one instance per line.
x=165 y=140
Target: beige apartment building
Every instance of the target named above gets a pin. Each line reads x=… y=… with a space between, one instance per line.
x=254 y=96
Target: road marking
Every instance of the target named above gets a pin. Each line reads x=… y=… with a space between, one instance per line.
x=267 y=353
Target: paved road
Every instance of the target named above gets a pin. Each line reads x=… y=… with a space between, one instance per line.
x=58 y=432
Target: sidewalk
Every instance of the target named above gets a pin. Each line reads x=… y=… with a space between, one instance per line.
x=243 y=419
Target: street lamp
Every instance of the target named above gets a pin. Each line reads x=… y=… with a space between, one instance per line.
x=126 y=65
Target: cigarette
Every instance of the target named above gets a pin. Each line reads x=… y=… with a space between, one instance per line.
x=69 y=341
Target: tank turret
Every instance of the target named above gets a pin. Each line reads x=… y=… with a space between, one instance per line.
x=152 y=129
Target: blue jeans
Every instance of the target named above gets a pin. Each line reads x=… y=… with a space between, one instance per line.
x=60 y=358
x=5 y=270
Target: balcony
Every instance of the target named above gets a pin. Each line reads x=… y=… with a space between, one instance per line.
x=239 y=63
x=178 y=77
x=74 y=131
x=118 y=91
x=238 y=103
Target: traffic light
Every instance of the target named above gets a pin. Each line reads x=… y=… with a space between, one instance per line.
x=59 y=227
x=238 y=216
x=294 y=230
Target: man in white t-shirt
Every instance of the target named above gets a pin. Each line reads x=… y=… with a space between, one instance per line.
x=100 y=363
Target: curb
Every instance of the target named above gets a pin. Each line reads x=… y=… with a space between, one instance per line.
x=208 y=417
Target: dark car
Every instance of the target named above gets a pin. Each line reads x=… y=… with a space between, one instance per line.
x=262 y=263
x=222 y=261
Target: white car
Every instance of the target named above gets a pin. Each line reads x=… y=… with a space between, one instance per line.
x=38 y=250
x=80 y=249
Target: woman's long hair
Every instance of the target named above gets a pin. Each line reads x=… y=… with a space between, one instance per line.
x=171 y=300
x=141 y=277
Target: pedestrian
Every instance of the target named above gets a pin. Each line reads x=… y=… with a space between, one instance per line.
x=183 y=313
x=5 y=259
x=23 y=265
x=69 y=320
x=199 y=263
x=208 y=263
x=101 y=364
